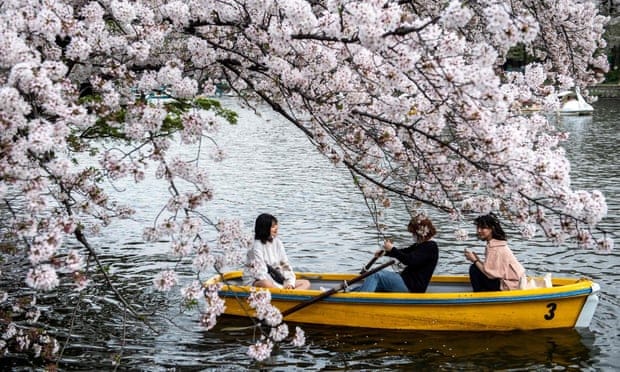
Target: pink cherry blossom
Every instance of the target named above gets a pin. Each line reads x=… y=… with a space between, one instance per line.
x=300 y=338
x=165 y=280
x=42 y=277
x=261 y=350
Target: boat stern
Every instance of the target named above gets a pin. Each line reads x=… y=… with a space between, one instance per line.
x=589 y=307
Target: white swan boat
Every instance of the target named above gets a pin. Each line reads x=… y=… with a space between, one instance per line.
x=572 y=103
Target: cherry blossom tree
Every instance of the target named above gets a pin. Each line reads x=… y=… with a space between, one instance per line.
x=410 y=96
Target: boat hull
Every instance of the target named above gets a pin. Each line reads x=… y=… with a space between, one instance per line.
x=459 y=310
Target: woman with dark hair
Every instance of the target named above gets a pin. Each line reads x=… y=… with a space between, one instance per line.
x=267 y=264
x=500 y=270
x=420 y=259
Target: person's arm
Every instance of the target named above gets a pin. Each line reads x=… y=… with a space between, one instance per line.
x=410 y=257
x=285 y=267
x=501 y=263
x=259 y=266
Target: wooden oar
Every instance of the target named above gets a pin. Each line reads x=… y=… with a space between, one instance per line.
x=371 y=262
x=330 y=292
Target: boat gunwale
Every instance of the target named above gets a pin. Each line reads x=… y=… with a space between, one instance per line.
x=564 y=288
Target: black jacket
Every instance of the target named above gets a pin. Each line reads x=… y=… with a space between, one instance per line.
x=420 y=259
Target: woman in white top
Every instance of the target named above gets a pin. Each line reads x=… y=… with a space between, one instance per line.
x=267 y=264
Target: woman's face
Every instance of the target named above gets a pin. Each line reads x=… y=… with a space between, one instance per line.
x=417 y=238
x=421 y=233
x=484 y=233
x=274 y=230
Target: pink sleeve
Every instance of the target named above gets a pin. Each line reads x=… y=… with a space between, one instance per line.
x=501 y=263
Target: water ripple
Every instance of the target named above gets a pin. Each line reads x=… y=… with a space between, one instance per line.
x=325 y=226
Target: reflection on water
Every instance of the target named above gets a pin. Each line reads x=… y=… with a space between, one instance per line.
x=574 y=124
x=326 y=227
x=368 y=349
x=437 y=350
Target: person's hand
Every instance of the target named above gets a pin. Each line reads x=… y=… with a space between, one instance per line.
x=470 y=256
x=379 y=253
x=289 y=286
x=387 y=245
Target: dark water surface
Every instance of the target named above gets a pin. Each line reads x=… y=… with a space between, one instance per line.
x=325 y=226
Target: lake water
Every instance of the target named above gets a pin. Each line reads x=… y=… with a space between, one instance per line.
x=326 y=226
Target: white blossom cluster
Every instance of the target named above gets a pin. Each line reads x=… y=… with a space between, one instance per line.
x=215 y=306
x=269 y=315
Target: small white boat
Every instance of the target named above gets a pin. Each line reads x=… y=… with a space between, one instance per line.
x=572 y=103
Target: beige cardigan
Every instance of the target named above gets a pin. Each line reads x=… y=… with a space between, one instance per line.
x=501 y=263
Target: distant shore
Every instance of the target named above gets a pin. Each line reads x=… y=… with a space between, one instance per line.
x=605 y=90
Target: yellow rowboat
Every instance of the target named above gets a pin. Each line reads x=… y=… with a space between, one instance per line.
x=448 y=305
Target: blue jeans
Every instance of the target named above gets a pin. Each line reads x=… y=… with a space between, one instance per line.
x=383 y=281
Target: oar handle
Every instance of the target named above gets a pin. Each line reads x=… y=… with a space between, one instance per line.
x=371 y=262
x=330 y=292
